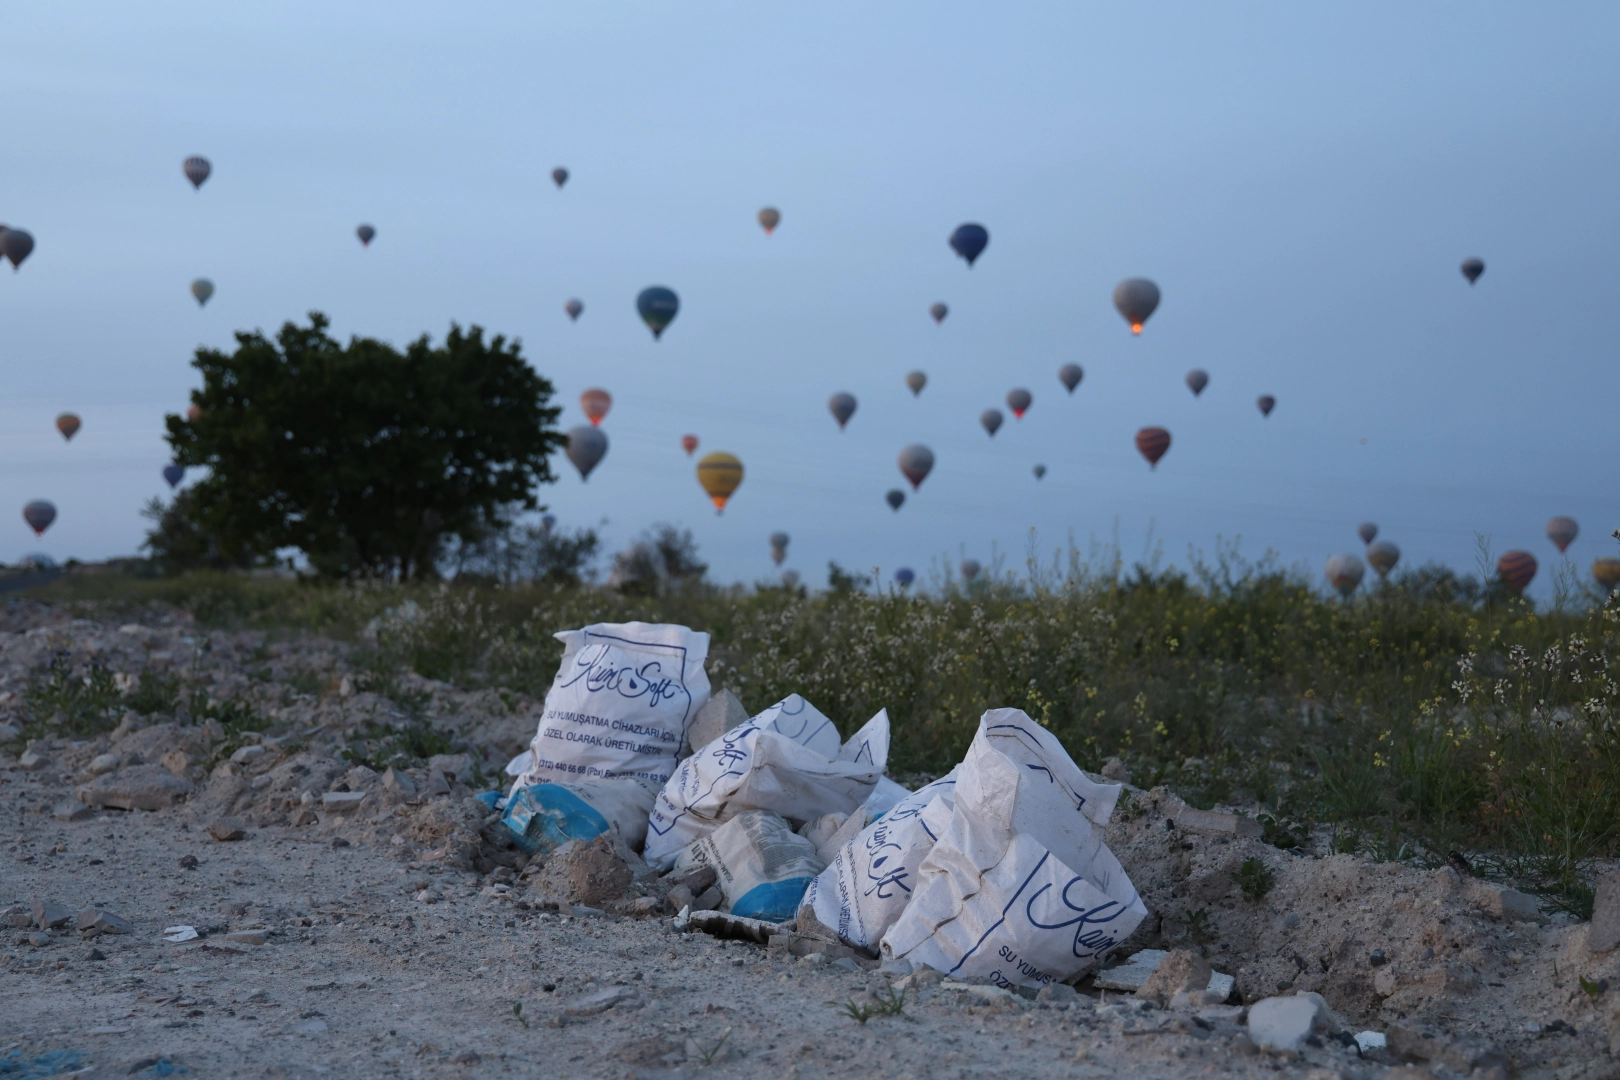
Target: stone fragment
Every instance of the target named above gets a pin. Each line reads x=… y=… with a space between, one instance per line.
x=1502 y=903
x=1282 y=1023
x=9 y=732
x=1136 y=969
x=188 y=862
x=48 y=914
x=176 y=761
x=246 y=755
x=458 y=767
x=93 y=922
x=1116 y=770
x=70 y=810
x=1604 y=932
x=720 y=714
x=248 y=937
x=16 y=916
x=681 y=897
x=95 y=954
x=711 y=899
x=428 y=896
x=342 y=801
x=139 y=787
x=226 y=828
x=784 y=945
x=309 y=1027
x=584 y=873
x=1216 y=824
x=33 y=759
x=698 y=879
x=305 y=816
x=39 y=939
x=437 y=784
x=1058 y=994
x=601 y=1001
x=1180 y=970
x=394 y=780
x=102 y=764
x=1370 y=1040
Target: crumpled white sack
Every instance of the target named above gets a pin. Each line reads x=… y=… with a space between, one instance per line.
x=763 y=865
x=1019 y=889
x=787 y=760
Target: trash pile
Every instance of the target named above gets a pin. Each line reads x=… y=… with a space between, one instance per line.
x=995 y=873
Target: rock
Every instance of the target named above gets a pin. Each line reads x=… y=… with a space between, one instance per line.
x=1180 y=970
x=437 y=784
x=1410 y=1042
x=1370 y=1040
x=48 y=914
x=1140 y=965
x=1282 y=1023
x=720 y=714
x=458 y=767
x=95 y=954
x=246 y=755
x=584 y=873
x=681 y=897
x=601 y=1001
x=33 y=760
x=1604 y=933
x=1216 y=824
x=16 y=916
x=466 y=1057
x=394 y=780
x=428 y=896
x=309 y=1027
x=342 y=801
x=9 y=732
x=1117 y=771
x=1059 y=994
x=102 y=764
x=711 y=899
x=70 y=810
x=305 y=816
x=784 y=945
x=177 y=762
x=38 y=939
x=698 y=878
x=1502 y=903
x=248 y=937
x=139 y=787
x=188 y=862
x=226 y=828
x=93 y=922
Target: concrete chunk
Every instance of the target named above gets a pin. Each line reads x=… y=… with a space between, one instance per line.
x=1282 y=1023
x=48 y=914
x=342 y=801
x=1136 y=970
x=1501 y=903
x=1179 y=971
x=226 y=828
x=601 y=1001
x=139 y=787
x=394 y=780
x=96 y=921
x=70 y=810
x=33 y=760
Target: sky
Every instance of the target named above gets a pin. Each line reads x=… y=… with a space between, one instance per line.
x=1300 y=180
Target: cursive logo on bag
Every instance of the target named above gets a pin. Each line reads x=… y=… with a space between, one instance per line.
x=598 y=667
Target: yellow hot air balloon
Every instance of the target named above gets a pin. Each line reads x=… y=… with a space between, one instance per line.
x=719 y=473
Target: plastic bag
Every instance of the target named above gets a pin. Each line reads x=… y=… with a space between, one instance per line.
x=787 y=760
x=543 y=817
x=1019 y=889
x=763 y=865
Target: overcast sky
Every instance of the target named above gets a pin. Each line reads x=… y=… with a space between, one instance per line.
x=1301 y=182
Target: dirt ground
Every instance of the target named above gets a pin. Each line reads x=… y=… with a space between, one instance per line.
x=400 y=934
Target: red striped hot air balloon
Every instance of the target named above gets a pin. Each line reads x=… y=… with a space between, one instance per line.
x=595 y=403
x=1152 y=443
x=1516 y=569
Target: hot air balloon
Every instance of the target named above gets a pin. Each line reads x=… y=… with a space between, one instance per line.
x=939 y=311
x=586 y=448
x=905 y=576
x=1040 y=471
x=842 y=406
x=1472 y=268
x=595 y=403
x=916 y=461
x=769 y=218
x=1607 y=571
x=777 y=555
x=790 y=579
x=916 y=380
x=193 y=413
x=39 y=514
x=202 y=289
x=1197 y=379
x=174 y=474
x=1018 y=401
x=16 y=244
x=1562 y=531
x=559 y=176
x=68 y=424
x=1367 y=531
x=1516 y=569
x=1070 y=375
x=970 y=568
x=968 y=241
x=990 y=420
x=719 y=473
x=1151 y=443
x=196 y=170
x=1266 y=403
x=779 y=543
x=1136 y=298
x=1383 y=556
x=366 y=233
x=1344 y=572
x=895 y=498
x=689 y=443
x=573 y=307
x=548 y=521
x=657 y=306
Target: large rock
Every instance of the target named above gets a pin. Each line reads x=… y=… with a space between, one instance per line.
x=1282 y=1023
x=590 y=873
x=722 y=713
x=139 y=787
x=1604 y=933
x=1180 y=971
x=95 y=921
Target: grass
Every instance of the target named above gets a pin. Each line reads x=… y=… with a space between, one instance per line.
x=1255 y=878
x=885 y=1001
x=1427 y=714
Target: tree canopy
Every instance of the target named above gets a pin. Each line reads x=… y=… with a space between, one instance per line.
x=363 y=457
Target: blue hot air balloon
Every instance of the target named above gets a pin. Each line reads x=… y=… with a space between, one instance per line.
x=657 y=306
x=174 y=474
x=969 y=241
x=904 y=576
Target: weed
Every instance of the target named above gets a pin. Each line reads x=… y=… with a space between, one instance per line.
x=1283 y=833
x=708 y=1054
x=1198 y=928
x=884 y=1002
x=79 y=701
x=517 y=1013
x=1255 y=878
x=155 y=693
x=1593 y=987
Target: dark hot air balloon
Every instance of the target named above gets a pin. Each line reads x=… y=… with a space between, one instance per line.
x=595 y=403
x=990 y=420
x=657 y=306
x=174 y=474
x=1472 y=268
x=1266 y=403
x=39 y=514
x=1070 y=375
x=1136 y=298
x=559 y=176
x=586 y=448
x=1383 y=556
x=1018 y=401
x=969 y=240
x=1607 y=571
x=1516 y=569
x=1197 y=379
x=1151 y=443
x=842 y=406
x=779 y=543
x=970 y=568
x=548 y=521
x=196 y=170
x=939 y=311
x=1344 y=572
x=916 y=461
x=1367 y=531
x=895 y=498
x=689 y=443
x=16 y=245
x=68 y=424
x=1562 y=531
x=719 y=473
x=366 y=234
x=202 y=289
x=574 y=308
x=769 y=218
x=916 y=380
x=1040 y=471
x=905 y=576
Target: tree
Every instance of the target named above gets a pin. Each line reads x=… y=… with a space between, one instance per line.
x=177 y=543
x=664 y=558
x=363 y=457
x=526 y=552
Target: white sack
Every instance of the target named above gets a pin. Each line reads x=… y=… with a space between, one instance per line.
x=763 y=865
x=786 y=760
x=869 y=879
x=885 y=797
x=620 y=704
x=1019 y=889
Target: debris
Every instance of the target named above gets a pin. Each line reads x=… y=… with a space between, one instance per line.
x=543 y=817
x=723 y=712
x=722 y=924
x=1370 y=1040
x=246 y=755
x=33 y=759
x=94 y=954
x=227 y=828
x=602 y=1001
x=1140 y=966
x=342 y=801
x=102 y=764
x=1209 y=822
x=1502 y=903
x=1056 y=993
x=248 y=937
x=9 y=732
x=394 y=780
x=177 y=934
x=95 y=921
x=176 y=761
x=764 y=866
x=48 y=915
x=138 y=787
x=1282 y=1023
x=1604 y=932
x=1459 y=863
x=1179 y=971
x=1116 y=770
x=70 y=810
x=798 y=945
x=588 y=872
